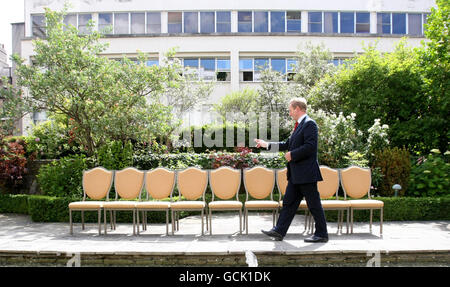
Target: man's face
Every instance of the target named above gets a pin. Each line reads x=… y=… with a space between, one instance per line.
x=294 y=112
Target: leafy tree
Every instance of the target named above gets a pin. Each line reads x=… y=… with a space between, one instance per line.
x=103 y=99
x=244 y=101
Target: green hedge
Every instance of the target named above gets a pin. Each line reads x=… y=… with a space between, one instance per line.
x=55 y=209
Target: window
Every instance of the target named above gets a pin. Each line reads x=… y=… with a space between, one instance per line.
x=39 y=117
x=207 y=20
x=191 y=64
x=105 y=23
x=175 y=22
x=260 y=65
x=208 y=69
x=279 y=65
x=244 y=21
x=425 y=17
x=83 y=20
x=347 y=22
x=190 y=22
x=330 y=22
x=384 y=23
x=261 y=22
x=121 y=23
x=246 y=70
x=277 y=21
x=292 y=66
x=415 y=24
x=137 y=23
x=38 y=23
x=315 y=22
x=153 y=23
x=294 y=21
x=362 y=22
x=398 y=23
x=223 y=70
x=152 y=62
x=223 y=22
x=70 y=19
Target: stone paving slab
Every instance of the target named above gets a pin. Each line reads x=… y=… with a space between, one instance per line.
x=18 y=234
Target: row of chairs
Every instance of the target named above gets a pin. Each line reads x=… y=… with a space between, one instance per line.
x=157 y=186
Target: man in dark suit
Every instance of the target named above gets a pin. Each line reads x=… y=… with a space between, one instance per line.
x=303 y=173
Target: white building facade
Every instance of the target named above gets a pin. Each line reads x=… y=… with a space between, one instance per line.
x=227 y=41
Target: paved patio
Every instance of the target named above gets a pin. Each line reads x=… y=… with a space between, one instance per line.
x=27 y=243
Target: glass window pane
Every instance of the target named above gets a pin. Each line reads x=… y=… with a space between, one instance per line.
x=398 y=23
x=330 y=22
x=190 y=22
x=121 y=23
x=105 y=23
x=415 y=24
x=362 y=22
x=83 y=20
x=223 y=65
x=38 y=25
x=294 y=21
x=153 y=22
x=277 y=21
x=152 y=63
x=244 y=21
x=347 y=22
x=175 y=22
x=208 y=64
x=223 y=22
x=279 y=65
x=261 y=64
x=191 y=63
x=137 y=23
x=207 y=22
x=70 y=19
x=292 y=65
x=384 y=23
x=246 y=64
x=261 y=21
x=315 y=22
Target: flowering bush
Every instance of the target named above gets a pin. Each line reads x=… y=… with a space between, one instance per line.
x=13 y=163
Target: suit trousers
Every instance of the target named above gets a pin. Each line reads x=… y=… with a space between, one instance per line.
x=292 y=198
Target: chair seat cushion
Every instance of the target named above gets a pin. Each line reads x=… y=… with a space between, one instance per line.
x=153 y=205
x=225 y=204
x=119 y=205
x=261 y=204
x=188 y=205
x=86 y=204
x=366 y=203
x=335 y=204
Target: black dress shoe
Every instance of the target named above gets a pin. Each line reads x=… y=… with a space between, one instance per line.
x=315 y=239
x=272 y=233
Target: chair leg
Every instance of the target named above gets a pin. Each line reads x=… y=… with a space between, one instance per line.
x=381 y=222
x=240 y=221
x=351 y=220
x=82 y=220
x=111 y=219
x=99 y=216
x=202 y=221
x=210 y=221
x=173 y=222
x=104 y=219
x=246 y=221
x=371 y=215
x=137 y=221
x=134 y=222
x=70 y=222
x=167 y=222
x=348 y=215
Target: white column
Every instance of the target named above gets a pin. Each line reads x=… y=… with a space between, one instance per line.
x=304 y=22
x=234 y=58
x=164 y=22
x=234 y=21
x=373 y=22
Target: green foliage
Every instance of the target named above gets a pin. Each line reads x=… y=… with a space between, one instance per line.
x=430 y=176
x=63 y=178
x=240 y=102
x=395 y=166
x=13 y=163
x=115 y=155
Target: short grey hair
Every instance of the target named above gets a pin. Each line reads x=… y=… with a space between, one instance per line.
x=299 y=102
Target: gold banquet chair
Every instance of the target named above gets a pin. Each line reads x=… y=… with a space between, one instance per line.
x=282 y=183
x=356 y=182
x=128 y=184
x=96 y=184
x=259 y=183
x=225 y=183
x=159 y=185
x=191 y=183
x=329 y=187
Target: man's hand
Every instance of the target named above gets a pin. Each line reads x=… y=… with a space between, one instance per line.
x=287 y=156
x=261 y=143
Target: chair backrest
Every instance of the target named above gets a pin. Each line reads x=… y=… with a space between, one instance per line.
x=97 y=182
x=159 y=183
x=259 y=182
x=128 y=183
x=330 y=184
x=282 y=180
x=356 y=181
x=225 y=182
x=192 y=183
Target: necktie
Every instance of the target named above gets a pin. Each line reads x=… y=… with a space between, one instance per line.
x=296 y=125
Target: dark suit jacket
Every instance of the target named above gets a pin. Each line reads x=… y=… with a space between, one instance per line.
x=303 y=167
